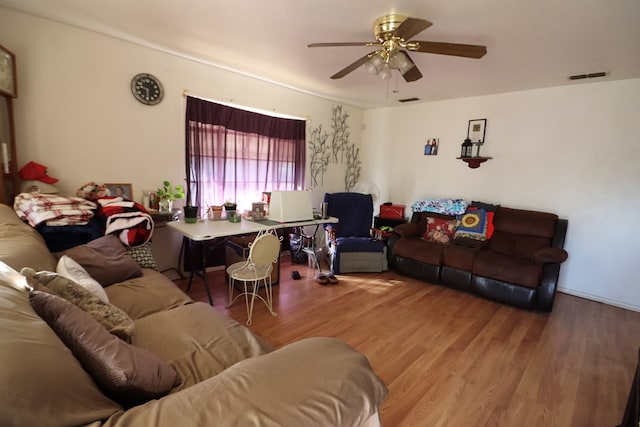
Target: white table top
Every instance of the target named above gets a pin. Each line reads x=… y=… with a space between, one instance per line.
x=207 y=230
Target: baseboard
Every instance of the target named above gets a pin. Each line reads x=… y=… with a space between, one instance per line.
x=598 y=298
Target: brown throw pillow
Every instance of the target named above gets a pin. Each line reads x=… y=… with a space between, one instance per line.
x=115 y=320
x=128 y=374
x=106 y=260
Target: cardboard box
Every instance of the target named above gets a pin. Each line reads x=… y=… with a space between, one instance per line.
x=392 y=211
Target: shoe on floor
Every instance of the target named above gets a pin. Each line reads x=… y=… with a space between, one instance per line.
x=332 y=279
x=321 y=279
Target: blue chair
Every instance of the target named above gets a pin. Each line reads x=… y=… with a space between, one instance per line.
x=351 y=248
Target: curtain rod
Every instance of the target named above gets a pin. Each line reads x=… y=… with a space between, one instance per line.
x=230 y=103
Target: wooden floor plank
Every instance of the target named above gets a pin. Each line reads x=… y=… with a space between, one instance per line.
x=453 y=359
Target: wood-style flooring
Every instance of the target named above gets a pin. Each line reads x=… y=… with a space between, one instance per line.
x=453 y=359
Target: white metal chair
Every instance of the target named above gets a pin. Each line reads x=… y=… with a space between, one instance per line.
x=256 y=272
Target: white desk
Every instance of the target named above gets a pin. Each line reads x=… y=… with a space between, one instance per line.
x=205 y=230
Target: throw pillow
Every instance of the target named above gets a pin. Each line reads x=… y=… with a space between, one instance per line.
x=108 y=315
x=440 y=230
x=128 y=374
x=486 y=206
x=143 y=255
x=473 y=225
x=106 y=260
x=74 y=271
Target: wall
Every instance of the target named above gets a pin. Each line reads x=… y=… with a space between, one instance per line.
x=76 y=115
x=571 y=150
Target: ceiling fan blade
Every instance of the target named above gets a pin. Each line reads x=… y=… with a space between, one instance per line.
x=453 y=49
x=340 y=74
x=412 y=74
x=410 y=27
x=343 y=44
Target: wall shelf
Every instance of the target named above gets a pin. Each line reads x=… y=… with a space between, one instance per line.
x=474 y=162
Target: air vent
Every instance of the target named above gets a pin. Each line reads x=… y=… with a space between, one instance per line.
x=408 y=99
x=588 y=76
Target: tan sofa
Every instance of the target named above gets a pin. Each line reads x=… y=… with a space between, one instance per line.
x=229 y=377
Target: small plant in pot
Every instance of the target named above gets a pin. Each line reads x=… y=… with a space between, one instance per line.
x=167 y=194
x=230 y=206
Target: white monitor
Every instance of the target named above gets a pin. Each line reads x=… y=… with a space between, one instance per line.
x=290 y=206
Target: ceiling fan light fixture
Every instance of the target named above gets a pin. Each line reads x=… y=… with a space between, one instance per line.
x=393 y=34
x=374 y=65
x=385 y=71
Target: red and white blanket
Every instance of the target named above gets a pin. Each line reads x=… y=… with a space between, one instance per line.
x=52 y=209
x=130 y=221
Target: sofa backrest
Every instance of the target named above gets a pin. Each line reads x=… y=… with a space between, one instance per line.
x=521 y=233
x=355 y=212
x=21 y=245
x=524 y=222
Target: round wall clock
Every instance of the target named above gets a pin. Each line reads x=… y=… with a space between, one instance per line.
x=147 y=89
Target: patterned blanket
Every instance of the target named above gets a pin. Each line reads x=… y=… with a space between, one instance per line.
x=52 y=209
x=130 y=221
x=441 y=206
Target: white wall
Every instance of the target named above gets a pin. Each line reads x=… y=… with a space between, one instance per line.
x=76 y=115
x=571 y=150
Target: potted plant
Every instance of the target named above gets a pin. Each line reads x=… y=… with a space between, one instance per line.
x=230 y=206
x=167 y=194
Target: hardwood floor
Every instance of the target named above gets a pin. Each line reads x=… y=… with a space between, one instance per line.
x=453 y=359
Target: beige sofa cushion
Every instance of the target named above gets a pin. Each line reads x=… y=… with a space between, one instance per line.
x=147 y=294
x=315 y=382
x=41 y=382
x=22 y=246
x=197 y=340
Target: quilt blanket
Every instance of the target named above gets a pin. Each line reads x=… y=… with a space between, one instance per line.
x=130 y=221
x=441 y=206
x=52 y=209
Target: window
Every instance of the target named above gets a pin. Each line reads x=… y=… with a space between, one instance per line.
x=235 y=155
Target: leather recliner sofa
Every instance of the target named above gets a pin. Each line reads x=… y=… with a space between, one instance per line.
x=519 y=265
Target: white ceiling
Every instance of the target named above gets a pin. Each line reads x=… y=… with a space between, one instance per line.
x=530 y=44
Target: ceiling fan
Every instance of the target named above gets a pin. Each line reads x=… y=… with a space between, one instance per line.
x=393 y=34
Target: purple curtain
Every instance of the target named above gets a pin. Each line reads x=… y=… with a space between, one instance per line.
x=235 y=155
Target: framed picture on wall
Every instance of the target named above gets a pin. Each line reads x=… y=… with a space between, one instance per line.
x=121 y=190
x=8 y=84
x=476 y=130
x=431 y=147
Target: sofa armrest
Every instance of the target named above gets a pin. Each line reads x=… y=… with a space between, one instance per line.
x=407 y=230
x=312 y=382
x=550 y=255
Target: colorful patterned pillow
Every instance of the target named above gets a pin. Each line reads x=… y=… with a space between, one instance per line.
x=143 y=255
x=473 y=225
x=440 y=230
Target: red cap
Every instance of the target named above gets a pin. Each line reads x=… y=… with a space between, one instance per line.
x=35 y=171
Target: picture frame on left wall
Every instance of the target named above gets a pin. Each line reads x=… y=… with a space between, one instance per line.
x=120 y=190
x=8 y=85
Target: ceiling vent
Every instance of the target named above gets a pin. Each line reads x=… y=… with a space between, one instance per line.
x=588 y=76
x=408 y=100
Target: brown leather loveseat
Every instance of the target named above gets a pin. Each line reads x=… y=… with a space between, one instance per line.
x=519 y=265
